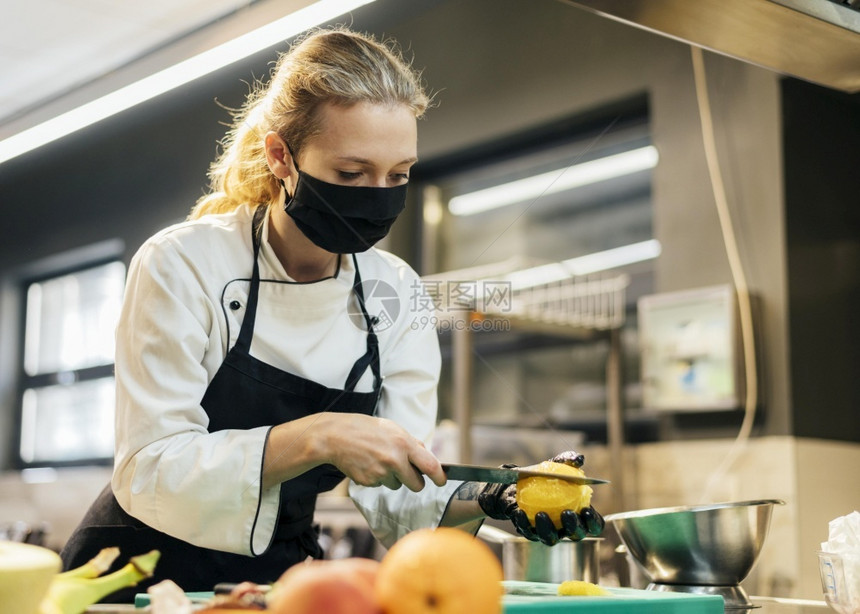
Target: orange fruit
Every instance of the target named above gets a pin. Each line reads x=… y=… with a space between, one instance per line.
x=539 y=494
x=440 y=571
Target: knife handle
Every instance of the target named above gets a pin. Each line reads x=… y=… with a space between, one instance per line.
x=225 y=588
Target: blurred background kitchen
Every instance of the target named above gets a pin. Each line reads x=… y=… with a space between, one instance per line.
x=651 y=388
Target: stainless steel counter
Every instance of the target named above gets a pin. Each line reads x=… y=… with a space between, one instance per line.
x=771 y=605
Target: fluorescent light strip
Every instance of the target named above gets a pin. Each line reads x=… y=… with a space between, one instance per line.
x=614 y=258
x=175 y=76
x=585 y=265
x=559 y=180
x=537 y=276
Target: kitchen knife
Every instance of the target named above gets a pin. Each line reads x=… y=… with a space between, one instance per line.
x=474 y=473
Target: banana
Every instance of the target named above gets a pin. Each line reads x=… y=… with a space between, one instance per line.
x=74 y=591
x=95 y=567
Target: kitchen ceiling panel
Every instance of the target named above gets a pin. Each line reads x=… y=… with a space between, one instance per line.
x=49 y=47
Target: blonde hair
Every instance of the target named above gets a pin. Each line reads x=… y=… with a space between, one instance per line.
x=327 y=66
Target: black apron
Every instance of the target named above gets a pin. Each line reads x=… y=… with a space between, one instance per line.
x=266 y=396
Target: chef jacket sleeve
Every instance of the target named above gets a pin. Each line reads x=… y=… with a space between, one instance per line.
x=410 y=365
x=169 y=471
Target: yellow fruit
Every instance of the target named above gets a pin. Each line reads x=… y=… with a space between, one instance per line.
x=26 y=572
x=582 y=588
x=73 y=592
x=539 y=494
x=440 y=571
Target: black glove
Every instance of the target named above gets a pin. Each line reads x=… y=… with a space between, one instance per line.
x=499 y=501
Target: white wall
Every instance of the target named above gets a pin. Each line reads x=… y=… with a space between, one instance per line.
x=60 y=503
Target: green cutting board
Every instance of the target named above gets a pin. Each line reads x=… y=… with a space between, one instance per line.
x=540 y=598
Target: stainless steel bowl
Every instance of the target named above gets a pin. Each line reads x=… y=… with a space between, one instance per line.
x=536 y=562
x=705 y=545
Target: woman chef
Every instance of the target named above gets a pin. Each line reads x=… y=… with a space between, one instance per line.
x=253 y=370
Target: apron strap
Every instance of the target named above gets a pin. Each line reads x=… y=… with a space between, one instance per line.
x=246 y=333
x=371 y=356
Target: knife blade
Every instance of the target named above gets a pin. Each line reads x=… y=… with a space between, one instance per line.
x=475 y=473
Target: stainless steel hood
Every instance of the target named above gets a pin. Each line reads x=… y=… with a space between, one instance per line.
x=814 y=40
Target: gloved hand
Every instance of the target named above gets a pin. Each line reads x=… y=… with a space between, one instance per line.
x=499 y=501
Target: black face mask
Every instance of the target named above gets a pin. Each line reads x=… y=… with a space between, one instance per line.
x=343 y=219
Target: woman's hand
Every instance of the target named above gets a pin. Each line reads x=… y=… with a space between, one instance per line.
x=370 y=451
x=379 y=452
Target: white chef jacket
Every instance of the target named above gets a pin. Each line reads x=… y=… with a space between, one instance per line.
x=174 y=332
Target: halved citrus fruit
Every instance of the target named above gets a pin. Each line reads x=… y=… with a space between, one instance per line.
x=539 y=494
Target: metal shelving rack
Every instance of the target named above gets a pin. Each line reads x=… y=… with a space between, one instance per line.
x=582 y=307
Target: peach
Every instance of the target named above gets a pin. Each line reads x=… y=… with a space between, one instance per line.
x=362 y=568
x=335 y=587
